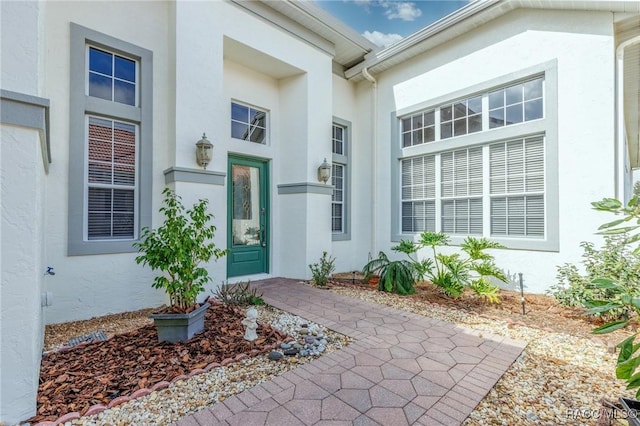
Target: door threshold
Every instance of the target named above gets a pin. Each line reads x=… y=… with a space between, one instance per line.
x=243 y=278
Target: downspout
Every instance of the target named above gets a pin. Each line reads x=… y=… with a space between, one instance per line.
x=619 y=116
x=374 y=156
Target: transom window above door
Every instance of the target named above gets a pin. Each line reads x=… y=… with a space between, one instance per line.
x=248 y=123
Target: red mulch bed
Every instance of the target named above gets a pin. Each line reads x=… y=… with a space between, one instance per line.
x=99 y=372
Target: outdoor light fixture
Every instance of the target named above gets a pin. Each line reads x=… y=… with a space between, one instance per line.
x=324 y=171
x=204 y=151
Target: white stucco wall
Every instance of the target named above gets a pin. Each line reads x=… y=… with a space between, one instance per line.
x=351 y=254
x=22 y=220
x=582 y=45
x=88 y=286
x=193 y=88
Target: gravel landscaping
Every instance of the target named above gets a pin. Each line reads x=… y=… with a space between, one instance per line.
x=560 y=378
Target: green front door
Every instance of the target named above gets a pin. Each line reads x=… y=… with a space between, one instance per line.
x=248 y=217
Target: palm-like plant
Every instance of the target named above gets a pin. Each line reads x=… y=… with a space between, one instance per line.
x=396 y=276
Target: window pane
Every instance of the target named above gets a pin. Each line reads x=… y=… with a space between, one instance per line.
x=514 y=94
x=429 y=118
x=460 y=127
x=475 y=105
x=514 y=114
x=258 y=135
x=496 y=118
x=100 y=86
x=125 y=69
x=123 y=225
x=406 y=139
x=460 y=110
x=124 y=93
x=533 y=110
x=416 y=121
x=239 y=113
x=429 y=134
x=496 y=99
x=100 y=61
x=475 y=123
x=533 y=89
x=406 y=124
x=417 y=137
x=445 y=113
x=239 y=130
x=445 y=130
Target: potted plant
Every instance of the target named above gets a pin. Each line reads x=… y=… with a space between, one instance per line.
x=178 y=248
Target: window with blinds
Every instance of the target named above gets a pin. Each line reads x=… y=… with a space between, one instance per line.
x=337 y=198
x=419 y=194
x=515 y=190
x=517 y=187
x=461 y=193
x=111 y=178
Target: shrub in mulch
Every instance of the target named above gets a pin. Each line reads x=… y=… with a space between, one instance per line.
x=98 y=372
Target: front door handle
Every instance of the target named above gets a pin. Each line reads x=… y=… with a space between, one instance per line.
x=262 y=238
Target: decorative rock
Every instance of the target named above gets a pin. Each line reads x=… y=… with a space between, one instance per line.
x=323 y=342
x=275 y=355
x=291 y=352
x=175 y=379
x=212 y=366
x=160 y=385
x=304 y=352
x=98 y=408
x=144 y=391
x=67 y=418
x=304 y=325
x=119 y=400
x=309 y=340
x=303 y=331
x=285 y=346
x=297 y=345
x=226 y=361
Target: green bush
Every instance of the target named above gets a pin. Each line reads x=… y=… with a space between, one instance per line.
x=322 y=271
x=177 y=248
x=615 y=260
x=396 y=276
x=452 y=273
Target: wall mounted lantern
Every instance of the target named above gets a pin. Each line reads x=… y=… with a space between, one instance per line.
x=324 y=171
x=204 y=151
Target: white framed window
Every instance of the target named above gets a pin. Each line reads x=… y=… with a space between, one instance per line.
x=462 y=190
x=460 y=118
x=418 y=128
x=517 y=187
x=112 y=77
x=507 y=105
x=419 y=194
x=516 y=190
x=500 y=182
x=516 y=104
x=340 y=168
x=111 y=179
x=337 y=198
x=111 y=143
x=248 y=123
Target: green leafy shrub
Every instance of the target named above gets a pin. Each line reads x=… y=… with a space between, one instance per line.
x=177 y=248
x=629 y=357
x=452 y=273
x=615 y=260
x=240 y=294
x=396 y=276
x=322 y=271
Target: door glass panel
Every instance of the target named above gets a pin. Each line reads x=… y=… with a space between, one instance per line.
x=246 y=205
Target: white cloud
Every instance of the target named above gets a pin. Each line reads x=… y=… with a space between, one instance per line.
x=381 y=39
x=406 y=11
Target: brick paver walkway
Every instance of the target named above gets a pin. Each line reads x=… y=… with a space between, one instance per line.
x=401 y=369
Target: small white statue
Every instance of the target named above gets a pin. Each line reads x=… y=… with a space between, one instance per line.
x=251 y=324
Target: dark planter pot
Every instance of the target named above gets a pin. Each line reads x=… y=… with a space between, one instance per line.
x=632 y=407
x=179 y=327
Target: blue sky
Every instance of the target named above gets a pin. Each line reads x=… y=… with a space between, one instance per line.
x=387 y=21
